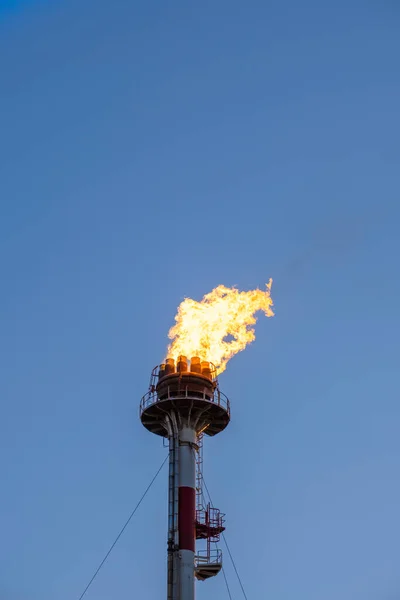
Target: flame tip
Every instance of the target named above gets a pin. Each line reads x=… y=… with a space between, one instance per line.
x=201 y=327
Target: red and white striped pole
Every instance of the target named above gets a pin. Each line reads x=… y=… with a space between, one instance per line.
x=187 y=512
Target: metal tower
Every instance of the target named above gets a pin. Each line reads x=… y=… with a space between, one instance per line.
x=183 y=404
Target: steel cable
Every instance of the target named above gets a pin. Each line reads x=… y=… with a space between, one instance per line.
x=227 y=546
x=122 y=530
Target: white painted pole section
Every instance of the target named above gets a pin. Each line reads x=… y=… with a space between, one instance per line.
x=187 y=508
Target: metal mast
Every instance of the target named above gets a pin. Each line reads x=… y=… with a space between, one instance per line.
x=183 y=404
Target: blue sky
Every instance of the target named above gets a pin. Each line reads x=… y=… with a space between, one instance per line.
x=12 y=5
x=150 y=151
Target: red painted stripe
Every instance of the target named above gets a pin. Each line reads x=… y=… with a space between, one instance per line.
x=186 y=518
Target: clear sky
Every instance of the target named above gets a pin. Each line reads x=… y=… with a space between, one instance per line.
x=151 y=151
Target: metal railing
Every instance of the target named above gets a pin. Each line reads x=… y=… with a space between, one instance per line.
x=217 y=398
x=204 y=557
x=210 y=516
x=151 y=397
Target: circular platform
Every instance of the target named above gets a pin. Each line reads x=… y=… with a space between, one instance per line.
x=195 y=400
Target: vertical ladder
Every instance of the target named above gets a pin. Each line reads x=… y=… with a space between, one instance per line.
x=199 y=474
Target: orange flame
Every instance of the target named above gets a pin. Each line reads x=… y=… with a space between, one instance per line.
x=202 y=327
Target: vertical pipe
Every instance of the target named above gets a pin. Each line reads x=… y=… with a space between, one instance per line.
x=171 y=544
x=172 y=572
x=176 y=513
x=175 y=508
x=187 y=511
